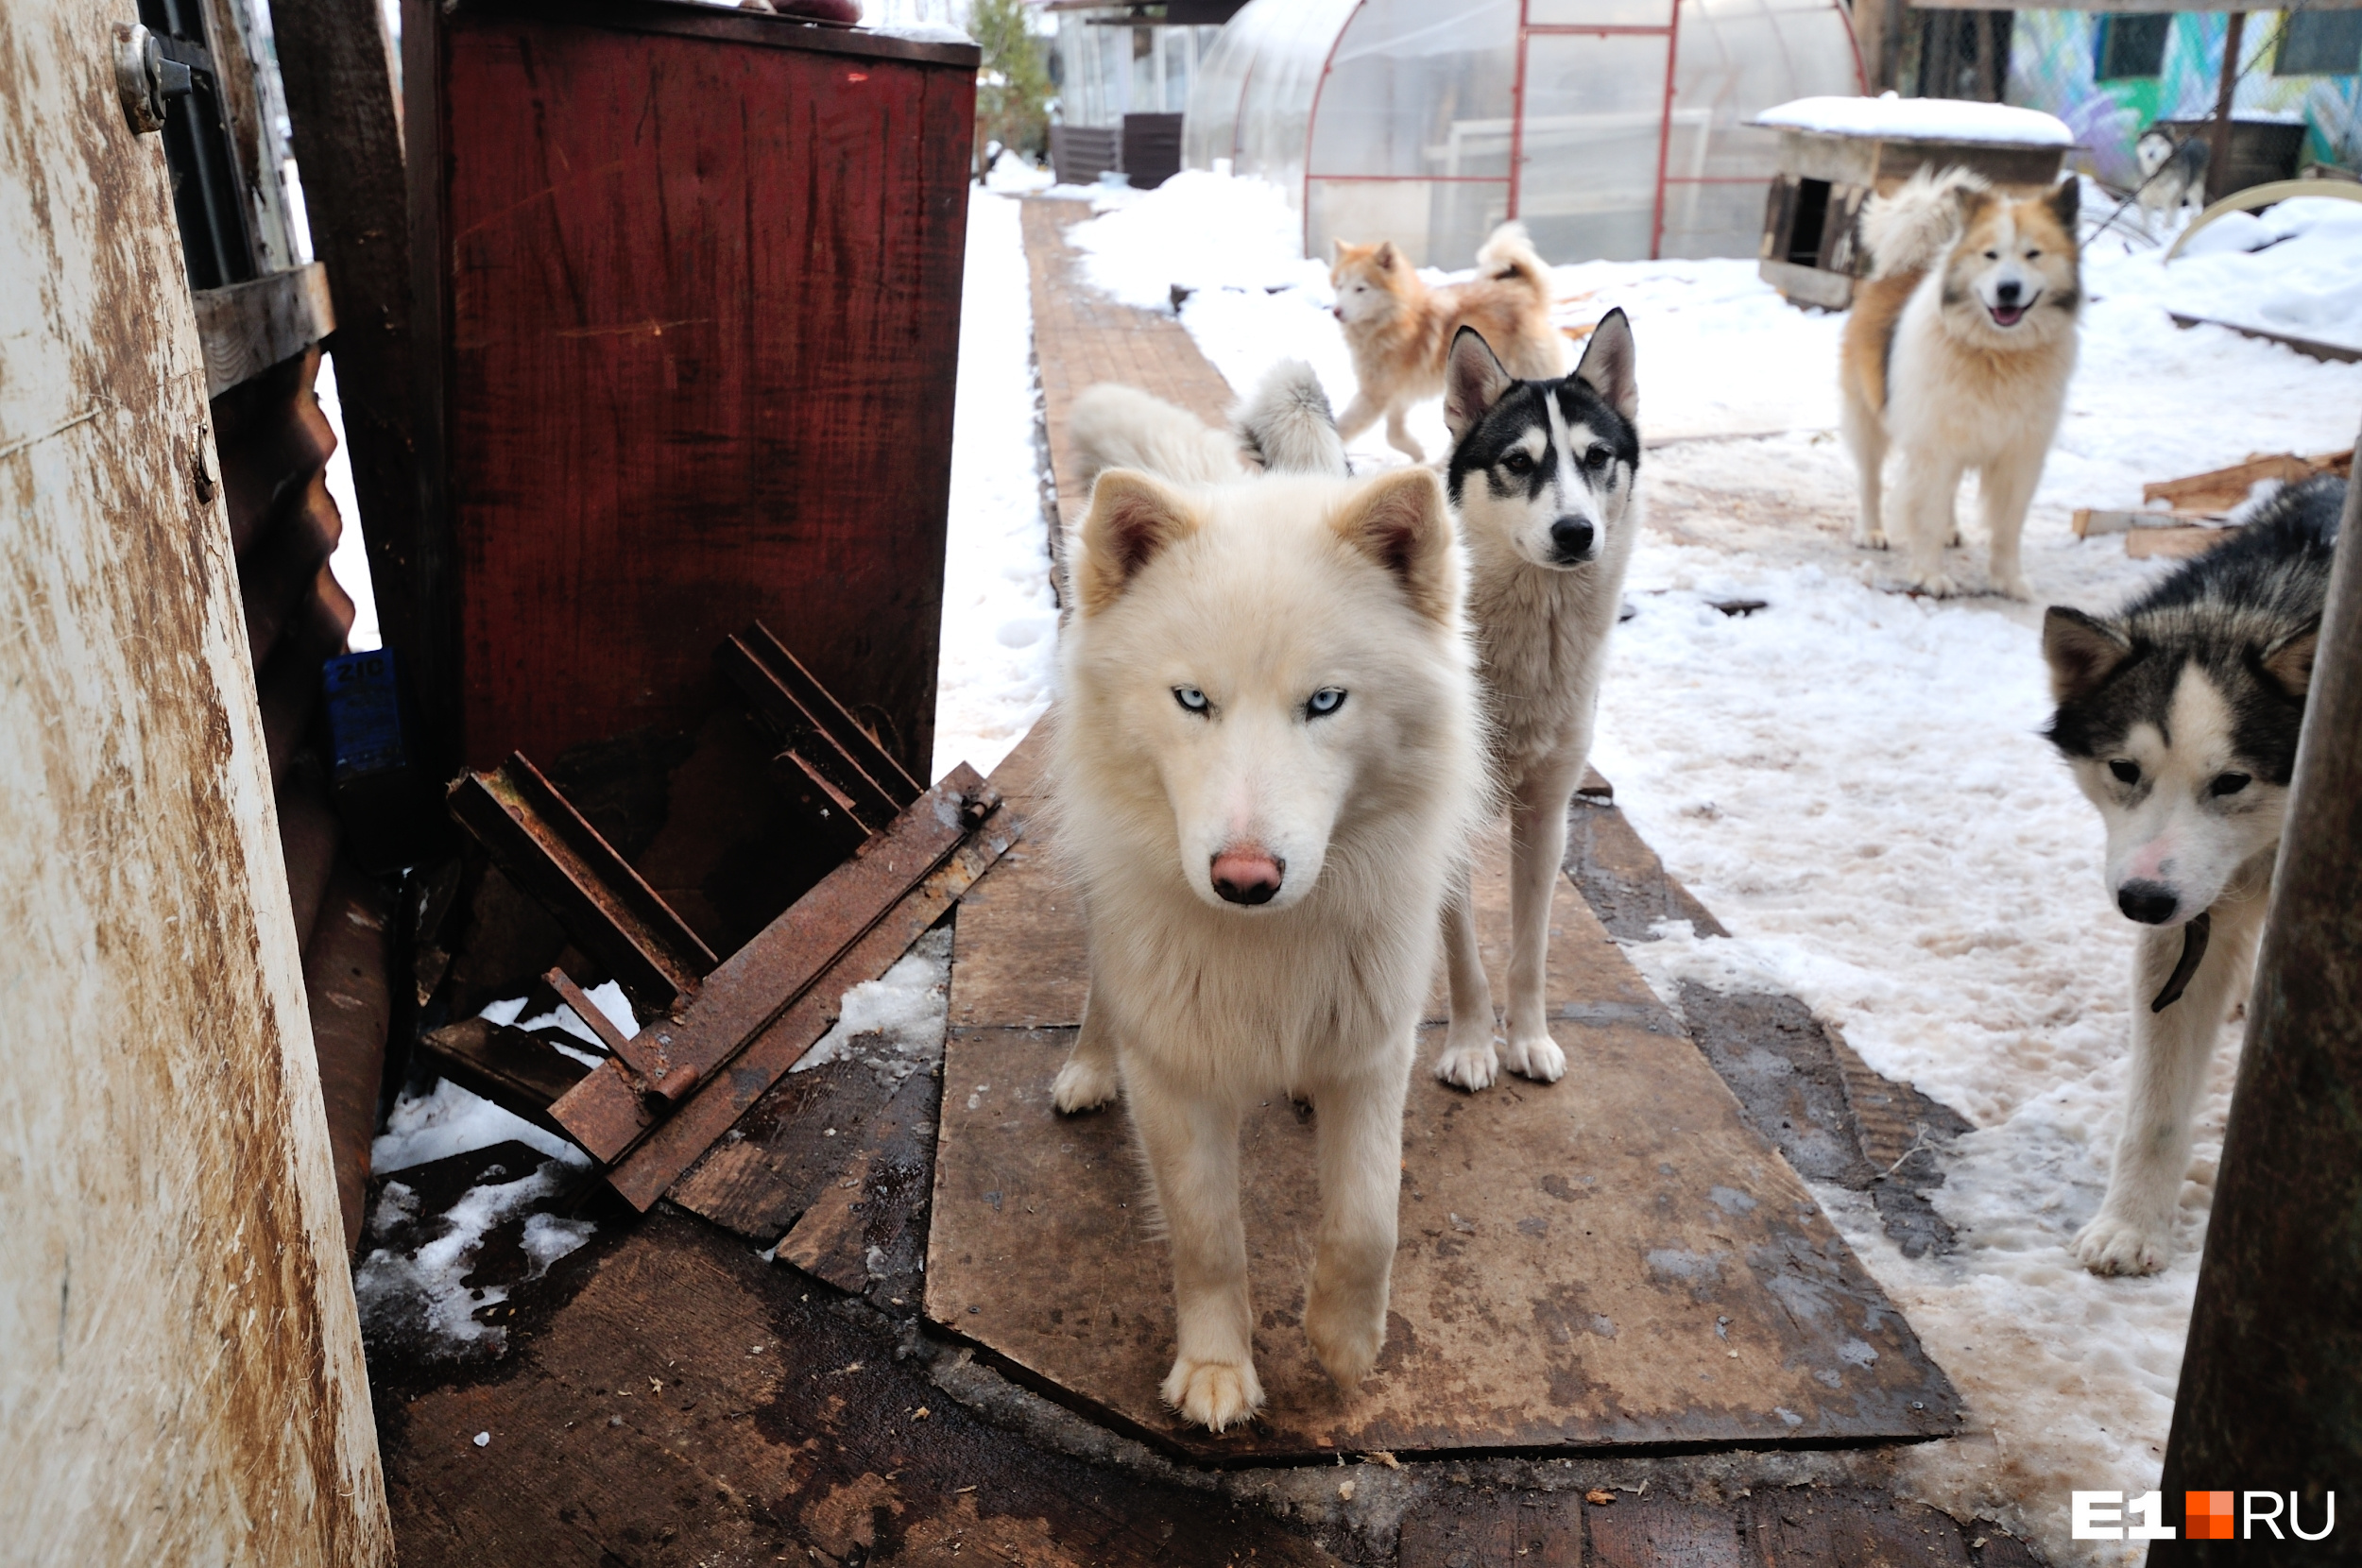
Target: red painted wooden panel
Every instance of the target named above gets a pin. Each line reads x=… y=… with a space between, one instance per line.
x=702 y=329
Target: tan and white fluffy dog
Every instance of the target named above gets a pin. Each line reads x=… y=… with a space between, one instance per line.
x=1267 y=765
x=1400 y=327
x=1956 y=356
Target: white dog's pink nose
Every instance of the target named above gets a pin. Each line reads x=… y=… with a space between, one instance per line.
x=1248 y=875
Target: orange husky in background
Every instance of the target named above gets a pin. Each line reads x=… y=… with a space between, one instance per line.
x=1401 y=330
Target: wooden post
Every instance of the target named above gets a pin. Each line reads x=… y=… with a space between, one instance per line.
x=338 y=67
x=1870 y=34
x=2269 y=1377
x=2218 y=182
x=182 y=1372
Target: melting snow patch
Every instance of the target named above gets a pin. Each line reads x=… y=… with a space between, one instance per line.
x=448 y=1120
x=422 y=1291
x=893 y=1024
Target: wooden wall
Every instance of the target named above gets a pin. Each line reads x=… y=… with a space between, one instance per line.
x=700 y=293
x=180 y=1361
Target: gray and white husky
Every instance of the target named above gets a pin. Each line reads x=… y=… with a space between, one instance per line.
x=1542 y=480
x=2179 y=715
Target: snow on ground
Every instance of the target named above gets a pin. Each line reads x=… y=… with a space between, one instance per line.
x=2290 y=269
x=893 y=1025
x=1000 y=616
x=1853 y=782
x=420 y=1295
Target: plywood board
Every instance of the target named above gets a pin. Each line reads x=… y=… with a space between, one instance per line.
x=1614 y=1259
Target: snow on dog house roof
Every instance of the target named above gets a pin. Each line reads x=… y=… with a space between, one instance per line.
x=1897 y=119
x=1610 y=128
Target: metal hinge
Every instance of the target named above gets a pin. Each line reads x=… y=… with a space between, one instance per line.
x=145 y=79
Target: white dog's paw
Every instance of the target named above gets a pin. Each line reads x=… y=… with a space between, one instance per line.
x=1865 y=537
x=1082 y=1085
x=1347 y=1329
x=2113 y=1245
x=1935 y=585
x=1539 y=1059
x=1472 y=1065
x=2016 y=587
x=1214 y=1394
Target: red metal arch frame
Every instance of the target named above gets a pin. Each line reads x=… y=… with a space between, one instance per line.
x=1528 y=30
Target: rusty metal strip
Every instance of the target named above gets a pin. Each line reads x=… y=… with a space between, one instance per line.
x=608 y=1115
x=828 y=810
x=765 y=671
x=560 y=861
x=814 y=746
x=681 y=1141
x=655 y=1071
x=513 y=1069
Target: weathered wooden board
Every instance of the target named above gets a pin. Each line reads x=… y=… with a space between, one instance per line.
x=697 y=274
x=693 y=1404
x=1616 y=1259
x=1495 y=1530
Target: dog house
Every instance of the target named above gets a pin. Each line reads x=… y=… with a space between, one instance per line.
x=1610 y=128
x=1836 y=153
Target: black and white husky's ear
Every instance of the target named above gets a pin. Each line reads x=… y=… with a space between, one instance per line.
x=2083 y=652
x=1133 y=520
x=1609 y=366
x=2290 y=662
x=1401 y=521
x=1473 y=383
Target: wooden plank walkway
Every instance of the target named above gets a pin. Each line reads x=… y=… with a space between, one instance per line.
x=1082 y=337
x=1614 y=1260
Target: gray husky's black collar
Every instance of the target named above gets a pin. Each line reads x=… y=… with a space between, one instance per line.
x=2193 y=939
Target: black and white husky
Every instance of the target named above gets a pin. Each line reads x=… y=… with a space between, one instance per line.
x=2179 y=715
x=1542 y=480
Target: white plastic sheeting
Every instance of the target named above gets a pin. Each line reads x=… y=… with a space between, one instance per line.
x=1613 y=128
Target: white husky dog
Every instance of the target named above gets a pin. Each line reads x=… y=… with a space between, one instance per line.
x=1267 y=765
x=1543 y=475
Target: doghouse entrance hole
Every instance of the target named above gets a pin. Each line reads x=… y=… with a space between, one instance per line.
x=1812 y=216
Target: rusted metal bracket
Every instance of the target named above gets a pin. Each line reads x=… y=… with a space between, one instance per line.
x=661 y=1098
x=651 y=1066
x=562 y=863
x=608 y=1115
x=648 y=1172
x=826 y=755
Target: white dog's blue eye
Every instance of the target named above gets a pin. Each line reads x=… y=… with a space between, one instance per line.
x=1190 y=698
x=1327 y=700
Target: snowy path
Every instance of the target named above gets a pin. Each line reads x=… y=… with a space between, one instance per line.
x=1854 y=780
x=1000 y=619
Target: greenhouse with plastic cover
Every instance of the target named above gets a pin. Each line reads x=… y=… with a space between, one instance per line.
x=1613 y=129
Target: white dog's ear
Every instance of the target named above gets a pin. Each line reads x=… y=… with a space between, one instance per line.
x=1473 y=383
x=1133 y=518
x=2290 y=661
x=2083 y=652
x=1609 y=366
x=1401 y=521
